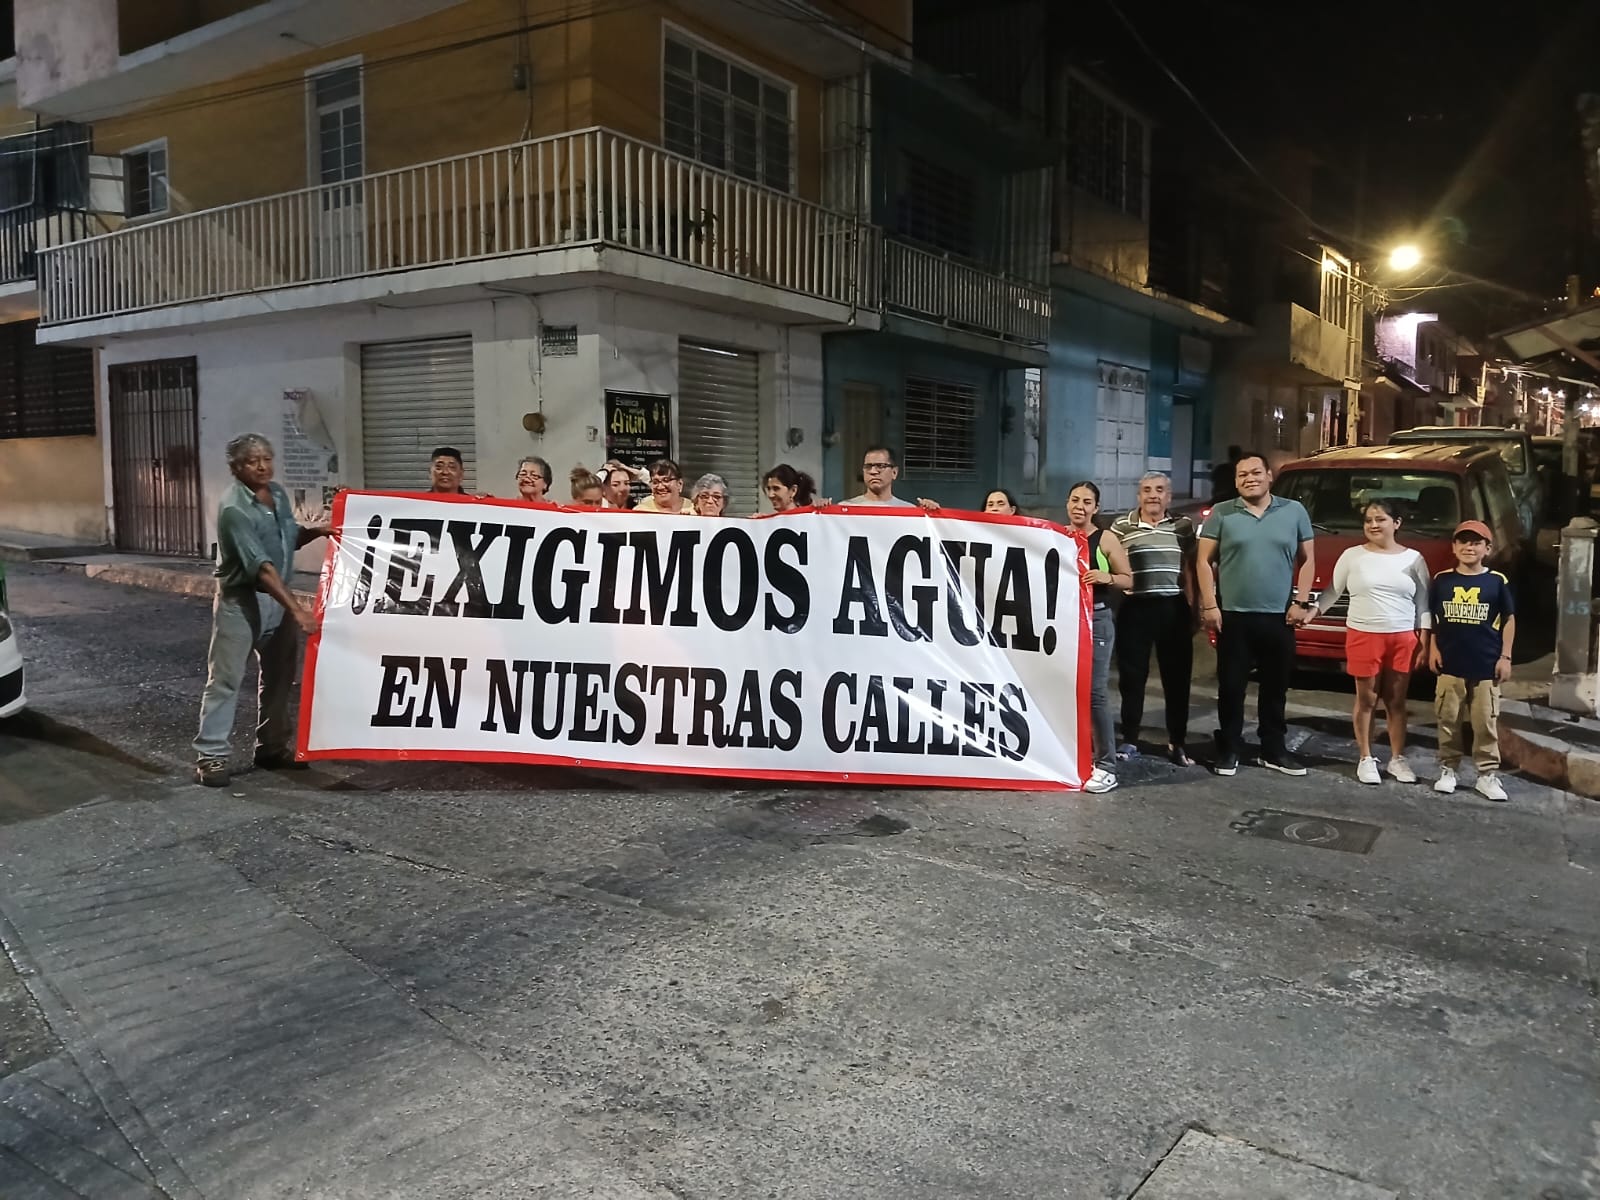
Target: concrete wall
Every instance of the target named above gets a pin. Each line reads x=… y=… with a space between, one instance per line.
x=63 y=43
x=624 y=342
x=1102 y=239
x=1083 y=333
x=247 y=136
x=638 y=351
x=54 y=486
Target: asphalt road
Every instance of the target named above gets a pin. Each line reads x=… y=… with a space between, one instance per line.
x=420 y=980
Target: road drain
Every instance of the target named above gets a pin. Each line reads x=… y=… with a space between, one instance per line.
x=1303 y=829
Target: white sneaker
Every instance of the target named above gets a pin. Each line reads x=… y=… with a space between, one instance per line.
x=1367 y=771
x=1400 y=770
x=1488 y=786
x=1446 y=782
x=1099 y=782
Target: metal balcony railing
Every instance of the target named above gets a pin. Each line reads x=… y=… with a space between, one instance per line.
x=25 y=231
x=936 y=287
x=592 y=187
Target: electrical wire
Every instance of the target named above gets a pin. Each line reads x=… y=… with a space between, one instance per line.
x=1205 y=113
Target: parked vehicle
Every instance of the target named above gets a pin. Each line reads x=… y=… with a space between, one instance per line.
x=1515 y=447
x=1547 y=457
x=1438 y=486
x=13 y=697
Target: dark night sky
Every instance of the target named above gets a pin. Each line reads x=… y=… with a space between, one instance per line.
x=1455 y=123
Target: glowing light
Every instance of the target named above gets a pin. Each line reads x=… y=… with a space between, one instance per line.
x=1330 y=267
x=1405 y=258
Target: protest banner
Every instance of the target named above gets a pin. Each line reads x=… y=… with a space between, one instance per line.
x=849 y=644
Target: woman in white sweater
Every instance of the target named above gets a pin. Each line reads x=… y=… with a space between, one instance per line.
x=1388 y=586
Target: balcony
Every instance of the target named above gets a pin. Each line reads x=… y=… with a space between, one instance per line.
x=930 y=286
x=1300 y=345
x=553 y=207
x=26 y=231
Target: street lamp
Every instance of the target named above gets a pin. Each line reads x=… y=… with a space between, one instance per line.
x=1405 y=258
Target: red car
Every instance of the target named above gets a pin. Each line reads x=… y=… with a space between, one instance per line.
x=1438 y=486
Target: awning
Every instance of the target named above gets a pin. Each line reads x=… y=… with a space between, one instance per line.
x=1575 y=332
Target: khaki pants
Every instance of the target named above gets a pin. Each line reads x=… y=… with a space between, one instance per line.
x=1480 y=701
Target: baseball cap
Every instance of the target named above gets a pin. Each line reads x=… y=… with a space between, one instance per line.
x=1477 y=527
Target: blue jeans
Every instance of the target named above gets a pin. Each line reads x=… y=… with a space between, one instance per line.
x=237 y=632
x=1105 y=638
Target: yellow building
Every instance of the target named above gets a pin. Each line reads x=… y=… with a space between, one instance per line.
x=505 y=225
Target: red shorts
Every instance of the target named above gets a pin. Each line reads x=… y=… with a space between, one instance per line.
x=1366 y=654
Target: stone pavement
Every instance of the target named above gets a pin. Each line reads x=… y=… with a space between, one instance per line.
x=214 y=1028
x=635 y=986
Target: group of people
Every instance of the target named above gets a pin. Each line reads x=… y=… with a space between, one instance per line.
x=1246 y=576
x=612 y=486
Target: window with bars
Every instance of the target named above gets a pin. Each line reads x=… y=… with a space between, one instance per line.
x=1106 y=149
x=941 y=428
x=727 y=116
x=937 y=205
x=45 y=391
x=145 y=176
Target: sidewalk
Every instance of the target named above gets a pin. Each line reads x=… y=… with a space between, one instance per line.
x=179 y=576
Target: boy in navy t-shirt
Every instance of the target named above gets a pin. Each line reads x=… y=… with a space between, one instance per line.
x=1474 y=622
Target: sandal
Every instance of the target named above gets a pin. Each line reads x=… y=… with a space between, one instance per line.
x=1177 y=757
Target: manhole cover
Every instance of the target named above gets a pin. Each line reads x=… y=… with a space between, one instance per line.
x=1304 y=829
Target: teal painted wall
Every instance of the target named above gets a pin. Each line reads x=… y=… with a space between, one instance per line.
x=1083 y=333
x=885 y=361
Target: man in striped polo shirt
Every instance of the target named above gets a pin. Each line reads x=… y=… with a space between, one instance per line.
x=1157 y=613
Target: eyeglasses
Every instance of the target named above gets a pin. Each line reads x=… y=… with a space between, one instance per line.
x=663 y=479
x=529 y=475
x=719 y=497
x=877 y=466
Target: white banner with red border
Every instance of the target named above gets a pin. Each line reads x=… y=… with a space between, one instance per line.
x=850 y=644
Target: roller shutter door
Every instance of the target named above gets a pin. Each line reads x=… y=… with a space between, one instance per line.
x=719 y=416
x=415 y=396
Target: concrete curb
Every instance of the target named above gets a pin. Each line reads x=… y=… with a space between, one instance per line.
x=44 y=551
x=1529 y=741
x=175 y=580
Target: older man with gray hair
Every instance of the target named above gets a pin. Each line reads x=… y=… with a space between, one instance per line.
x=257 y=536
x=1158 y=612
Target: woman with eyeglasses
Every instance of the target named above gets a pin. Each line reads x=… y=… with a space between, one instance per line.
x=709 y=495
x=533 y=479
x=666 y=490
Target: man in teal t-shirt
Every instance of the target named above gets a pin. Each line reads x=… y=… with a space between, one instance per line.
x=1251 y=598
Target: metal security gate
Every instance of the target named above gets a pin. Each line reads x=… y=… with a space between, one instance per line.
x=155 y=461
x=719 y=420
x=416 y=396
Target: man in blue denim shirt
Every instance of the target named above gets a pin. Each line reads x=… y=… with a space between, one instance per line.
x=254 y=612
